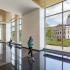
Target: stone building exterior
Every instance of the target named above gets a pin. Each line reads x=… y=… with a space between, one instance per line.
x=58 y=32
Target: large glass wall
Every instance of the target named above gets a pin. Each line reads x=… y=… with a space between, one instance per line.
x=18 y=23
x=66 y=26
x=57 y=26
x=13 y=29
x=20 y=29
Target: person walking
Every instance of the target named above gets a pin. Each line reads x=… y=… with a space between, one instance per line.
x=30 y=46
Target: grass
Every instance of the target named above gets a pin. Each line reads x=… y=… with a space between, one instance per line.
x=66 y=43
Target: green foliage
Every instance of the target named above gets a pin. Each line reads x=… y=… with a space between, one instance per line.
x=49 y=33
x=66 y=43
x=12 y=35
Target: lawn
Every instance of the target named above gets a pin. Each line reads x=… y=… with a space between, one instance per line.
x=66 y=43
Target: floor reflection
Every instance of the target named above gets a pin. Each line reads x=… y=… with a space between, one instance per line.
x=42 y=62
x=57 y=63
x=30 y=64
x=48 y=62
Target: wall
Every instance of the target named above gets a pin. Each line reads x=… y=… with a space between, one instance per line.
x=32 y=27
x=42 y=33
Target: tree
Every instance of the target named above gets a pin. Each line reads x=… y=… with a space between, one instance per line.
x=49 y=32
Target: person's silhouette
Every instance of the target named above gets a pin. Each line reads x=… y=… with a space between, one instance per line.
x=10 y=43
x=30 y=46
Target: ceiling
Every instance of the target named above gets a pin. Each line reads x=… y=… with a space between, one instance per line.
x=23 y=6
x=47 y=3
x=17 y=6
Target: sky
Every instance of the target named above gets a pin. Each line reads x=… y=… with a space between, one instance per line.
x=57 y=19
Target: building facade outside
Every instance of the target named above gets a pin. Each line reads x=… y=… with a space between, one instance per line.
x=58 y=32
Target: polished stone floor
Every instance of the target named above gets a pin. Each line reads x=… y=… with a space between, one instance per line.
x=43 y=61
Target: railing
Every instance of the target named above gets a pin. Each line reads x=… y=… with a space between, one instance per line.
x=11 y=55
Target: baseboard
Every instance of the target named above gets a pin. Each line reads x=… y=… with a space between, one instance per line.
x=33 y=49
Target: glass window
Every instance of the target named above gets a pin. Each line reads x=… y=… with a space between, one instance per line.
x=54 y=9
x=53 y=20
x=66 y=5
x=53 y=27
x=57 y=26
x=20 y=30
x=66 y=22
x=13 y=30
x=13 y=24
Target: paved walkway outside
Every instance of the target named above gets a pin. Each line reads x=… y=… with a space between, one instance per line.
x=66 y=49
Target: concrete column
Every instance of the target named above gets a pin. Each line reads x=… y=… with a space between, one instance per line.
x=34 y=26
x=42 y=40
x=4 y=40
x=31 y=28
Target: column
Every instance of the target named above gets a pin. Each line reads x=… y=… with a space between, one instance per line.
x=4 y=40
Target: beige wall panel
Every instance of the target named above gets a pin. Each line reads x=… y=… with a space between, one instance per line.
x=31 y=27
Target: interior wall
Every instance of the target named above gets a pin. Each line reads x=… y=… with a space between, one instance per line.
x=33 y=25
x=31 y=28
x=42 y=33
